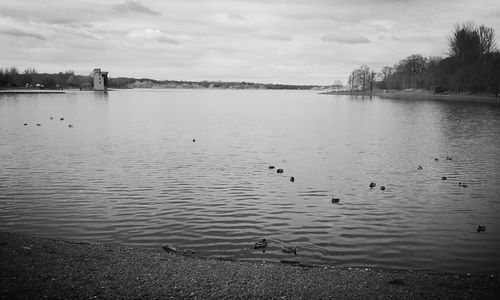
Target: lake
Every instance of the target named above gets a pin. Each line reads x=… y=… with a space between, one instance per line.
x=189 y=168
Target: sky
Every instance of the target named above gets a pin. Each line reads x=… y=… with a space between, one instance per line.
x=267 y=41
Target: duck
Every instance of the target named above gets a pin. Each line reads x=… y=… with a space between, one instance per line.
x=38 y=124
x=62 y=119
x=169 y=248
x=279 y=171
x=271 y=167
x=335 y=200
x=70 y=126
x=287 y=248
x=436 y=159
x=382 y=188
x=372 y=185
x=194 y=140
x=25 y=124
x=292 y=179
x=449 y=158
x=262 y=244
x=481 y=228
x=51 y=118
x=464 y=185
x=419 y=168
x=444 y=178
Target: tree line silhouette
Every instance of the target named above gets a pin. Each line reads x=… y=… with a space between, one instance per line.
x=472 y=66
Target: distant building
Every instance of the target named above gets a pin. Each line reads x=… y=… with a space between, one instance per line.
x=100 y=80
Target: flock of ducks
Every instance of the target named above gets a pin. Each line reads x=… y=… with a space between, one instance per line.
x=288 y=248
x=52 y=118
x=480 y=228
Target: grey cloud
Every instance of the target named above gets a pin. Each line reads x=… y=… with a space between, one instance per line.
x=135 y=7
x=152 y=35
x=345 y=38
x=233 y=16
x=20 y=33
x=274 y=36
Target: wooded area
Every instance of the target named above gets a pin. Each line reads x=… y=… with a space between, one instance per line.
x=473 y=66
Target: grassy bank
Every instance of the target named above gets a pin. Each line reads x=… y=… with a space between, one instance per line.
x=418 y=94
x=38 y=268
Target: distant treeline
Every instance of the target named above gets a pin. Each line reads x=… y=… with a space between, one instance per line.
x=30 y=78
x=473 y=66
x=123 y=82
x=11 y=77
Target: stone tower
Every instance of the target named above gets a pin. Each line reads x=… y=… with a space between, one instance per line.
x=100 y=80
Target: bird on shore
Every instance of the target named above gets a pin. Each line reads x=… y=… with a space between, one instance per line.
x=382 y=188
x=169 y=248
x=481 y=228
x=292 y=179
x=271 y=167
x=262 y=244
x=279 y=171
x=287 y=248
x=372 y=185
x=335 y=200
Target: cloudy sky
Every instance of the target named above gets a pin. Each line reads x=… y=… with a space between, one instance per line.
x=279 y=41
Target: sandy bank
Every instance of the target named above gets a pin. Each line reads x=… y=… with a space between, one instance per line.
x=418 y=94
x=37 y=268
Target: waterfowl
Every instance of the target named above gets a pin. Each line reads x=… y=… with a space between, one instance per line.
x=271 y=167
x=62 y=119
x=169 y=249
x=382 y=188
x=464 y=185
x=481 y=228
x=292 y=179
x=335 y=200
x=448 y=158
x=188 y=251
x=436 y=159
x=419 y=168
x=372 y=185
x=25 y=124
x=70 y=126
x=444 y=178
x=279 y=171
x=194 y=140
x=51 y=118
x=262 y=244
x=287 y=248
x=38 y=124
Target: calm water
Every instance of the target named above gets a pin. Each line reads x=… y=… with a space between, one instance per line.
x=129 y=173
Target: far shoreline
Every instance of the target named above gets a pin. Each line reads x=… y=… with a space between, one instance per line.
x=419 y=94
x=31 y=91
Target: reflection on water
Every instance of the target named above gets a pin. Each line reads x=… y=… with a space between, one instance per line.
x=128 y=172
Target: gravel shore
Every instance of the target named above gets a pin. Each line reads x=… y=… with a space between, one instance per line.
x=36 y=268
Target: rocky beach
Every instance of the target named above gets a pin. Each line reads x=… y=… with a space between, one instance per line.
x=37 y=268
